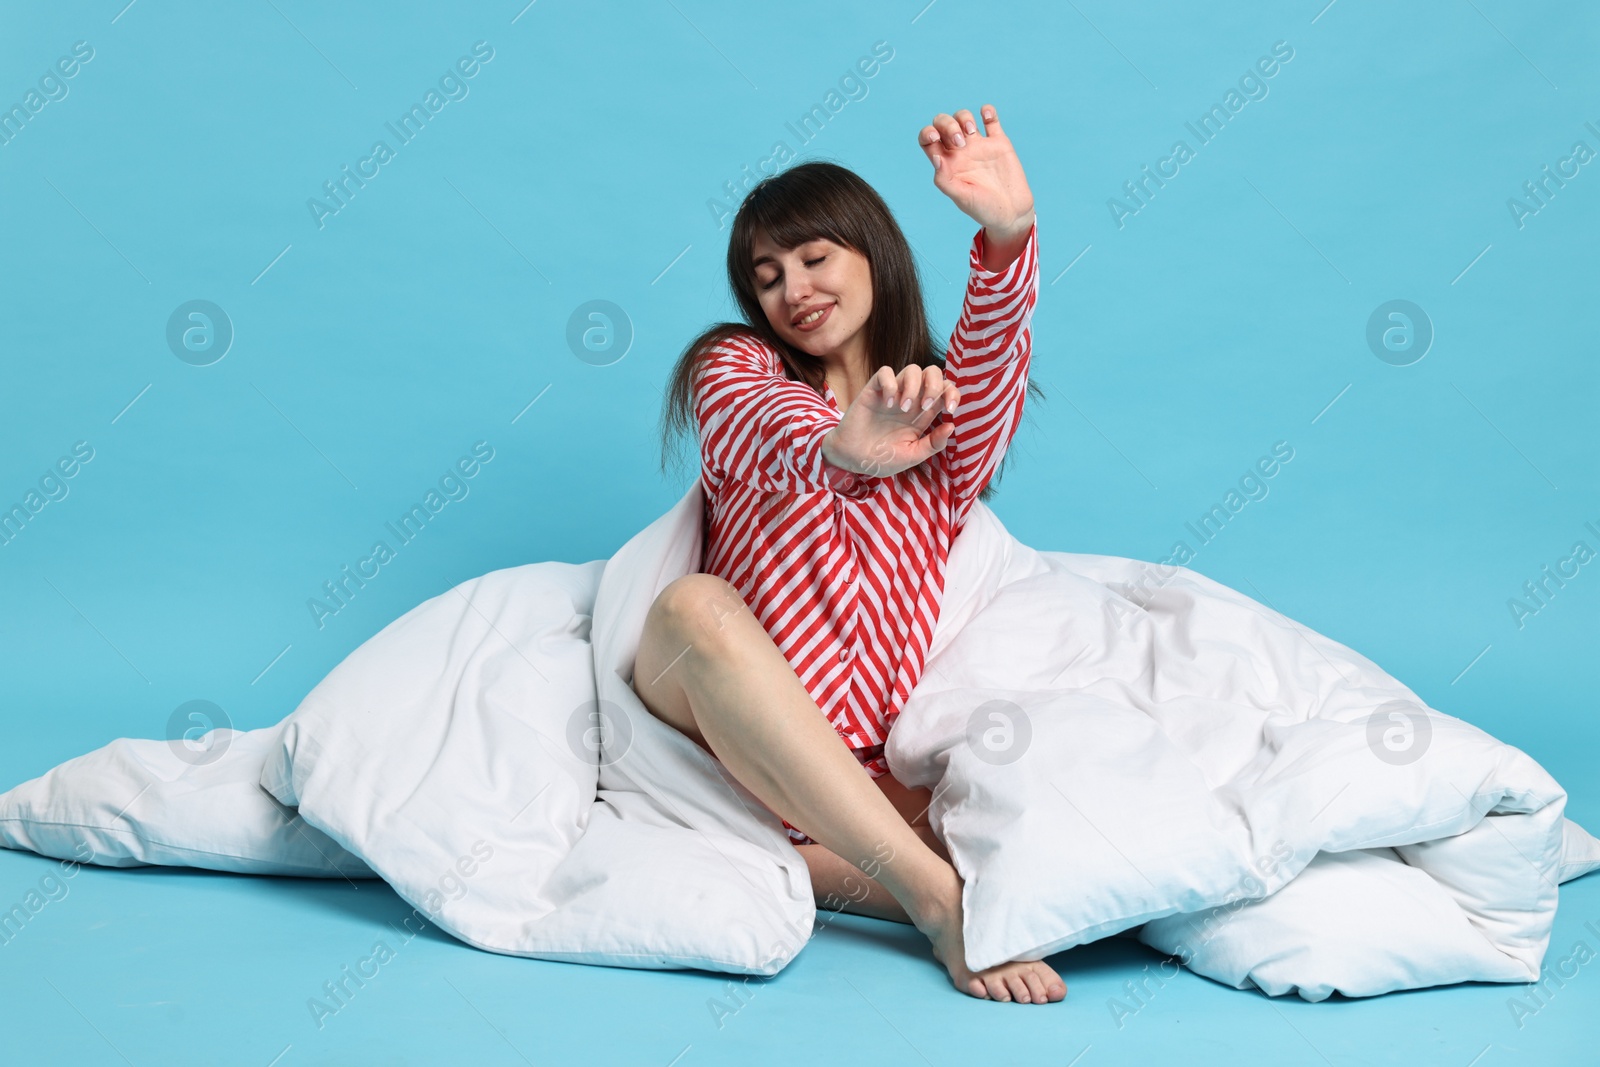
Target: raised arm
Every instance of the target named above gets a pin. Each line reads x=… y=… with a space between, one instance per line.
x=759 y=428
x=991 y=345
x=987 y=361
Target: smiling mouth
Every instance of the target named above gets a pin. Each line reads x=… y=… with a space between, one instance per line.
x=814 y=320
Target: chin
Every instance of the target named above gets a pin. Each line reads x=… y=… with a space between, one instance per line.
x=810 y=344
x=816 y=346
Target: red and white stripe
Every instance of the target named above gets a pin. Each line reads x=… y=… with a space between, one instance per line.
x=844 y=571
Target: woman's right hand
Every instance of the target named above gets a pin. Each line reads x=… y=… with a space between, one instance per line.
x=892 y=425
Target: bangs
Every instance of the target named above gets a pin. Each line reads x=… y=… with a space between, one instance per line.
x=790 y=221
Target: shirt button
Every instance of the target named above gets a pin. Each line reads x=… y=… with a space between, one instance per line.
x=844 y=655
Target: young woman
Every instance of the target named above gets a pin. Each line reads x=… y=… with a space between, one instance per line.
x=828 y=528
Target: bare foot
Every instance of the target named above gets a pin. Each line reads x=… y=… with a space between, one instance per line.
x=1022 y=981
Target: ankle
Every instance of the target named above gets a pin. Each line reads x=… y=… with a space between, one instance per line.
x=935 y=900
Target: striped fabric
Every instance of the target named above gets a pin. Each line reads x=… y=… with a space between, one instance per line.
x=845 y=571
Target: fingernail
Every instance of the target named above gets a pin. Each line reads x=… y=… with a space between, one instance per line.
x=927 y=403
x=960 y=140
x=905 y=405
x=971 y=127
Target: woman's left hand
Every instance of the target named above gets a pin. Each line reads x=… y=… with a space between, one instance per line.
x=980 y=173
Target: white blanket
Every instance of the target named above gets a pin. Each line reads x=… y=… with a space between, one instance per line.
x=1113 y=747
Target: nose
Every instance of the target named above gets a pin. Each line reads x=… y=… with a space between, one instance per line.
x=798 y=291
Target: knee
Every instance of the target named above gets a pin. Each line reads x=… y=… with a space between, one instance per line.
x=697 y=607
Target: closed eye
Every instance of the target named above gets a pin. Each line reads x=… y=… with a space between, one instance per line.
x=809 y=262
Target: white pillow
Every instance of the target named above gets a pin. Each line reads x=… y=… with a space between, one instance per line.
x=1358 y=923
x=136 y=802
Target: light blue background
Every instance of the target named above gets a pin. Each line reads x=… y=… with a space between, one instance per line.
x=1227 y=315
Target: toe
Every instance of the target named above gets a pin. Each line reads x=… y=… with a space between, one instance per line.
x=1019 y=988
x=975 y=987
x=1055 y=988
x=1036 y=988
x=997 y=988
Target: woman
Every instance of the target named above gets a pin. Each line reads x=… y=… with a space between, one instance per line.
x=828 y=530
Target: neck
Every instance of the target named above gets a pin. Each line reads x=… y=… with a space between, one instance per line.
x=847 y=372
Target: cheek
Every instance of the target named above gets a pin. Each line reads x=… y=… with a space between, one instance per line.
x=857 y=294
x=856 y=286
x=772 y=305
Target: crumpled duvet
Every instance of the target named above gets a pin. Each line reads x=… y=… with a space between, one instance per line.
x=1113 y=746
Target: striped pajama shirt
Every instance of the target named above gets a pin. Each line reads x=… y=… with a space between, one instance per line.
x=844 y=571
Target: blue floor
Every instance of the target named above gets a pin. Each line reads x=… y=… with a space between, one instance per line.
x=182 y=967
x=1180 y=332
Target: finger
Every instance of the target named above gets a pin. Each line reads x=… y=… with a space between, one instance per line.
x=949 y=131
x=952 y=396
x=937 y=439
x=964 y=118
x=932 y=387
x=930 y=404
x=932 y=145
x=885 y=381
x=991 y=121
x=910 y=386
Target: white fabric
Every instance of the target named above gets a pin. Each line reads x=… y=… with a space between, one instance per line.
x=137 y=802
x=1178 y=761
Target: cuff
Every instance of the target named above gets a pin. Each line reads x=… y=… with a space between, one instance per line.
x=1016 y=273
x=814 y=469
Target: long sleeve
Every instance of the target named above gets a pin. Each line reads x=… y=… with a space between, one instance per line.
x=988 y=360
x=761 y=429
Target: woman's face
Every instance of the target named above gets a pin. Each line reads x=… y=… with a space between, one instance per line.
x=794 y=284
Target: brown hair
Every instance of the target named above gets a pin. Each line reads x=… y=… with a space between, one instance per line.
x=807 y=201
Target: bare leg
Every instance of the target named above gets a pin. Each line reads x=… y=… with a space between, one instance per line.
x=707 y=667
x=838 y=886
